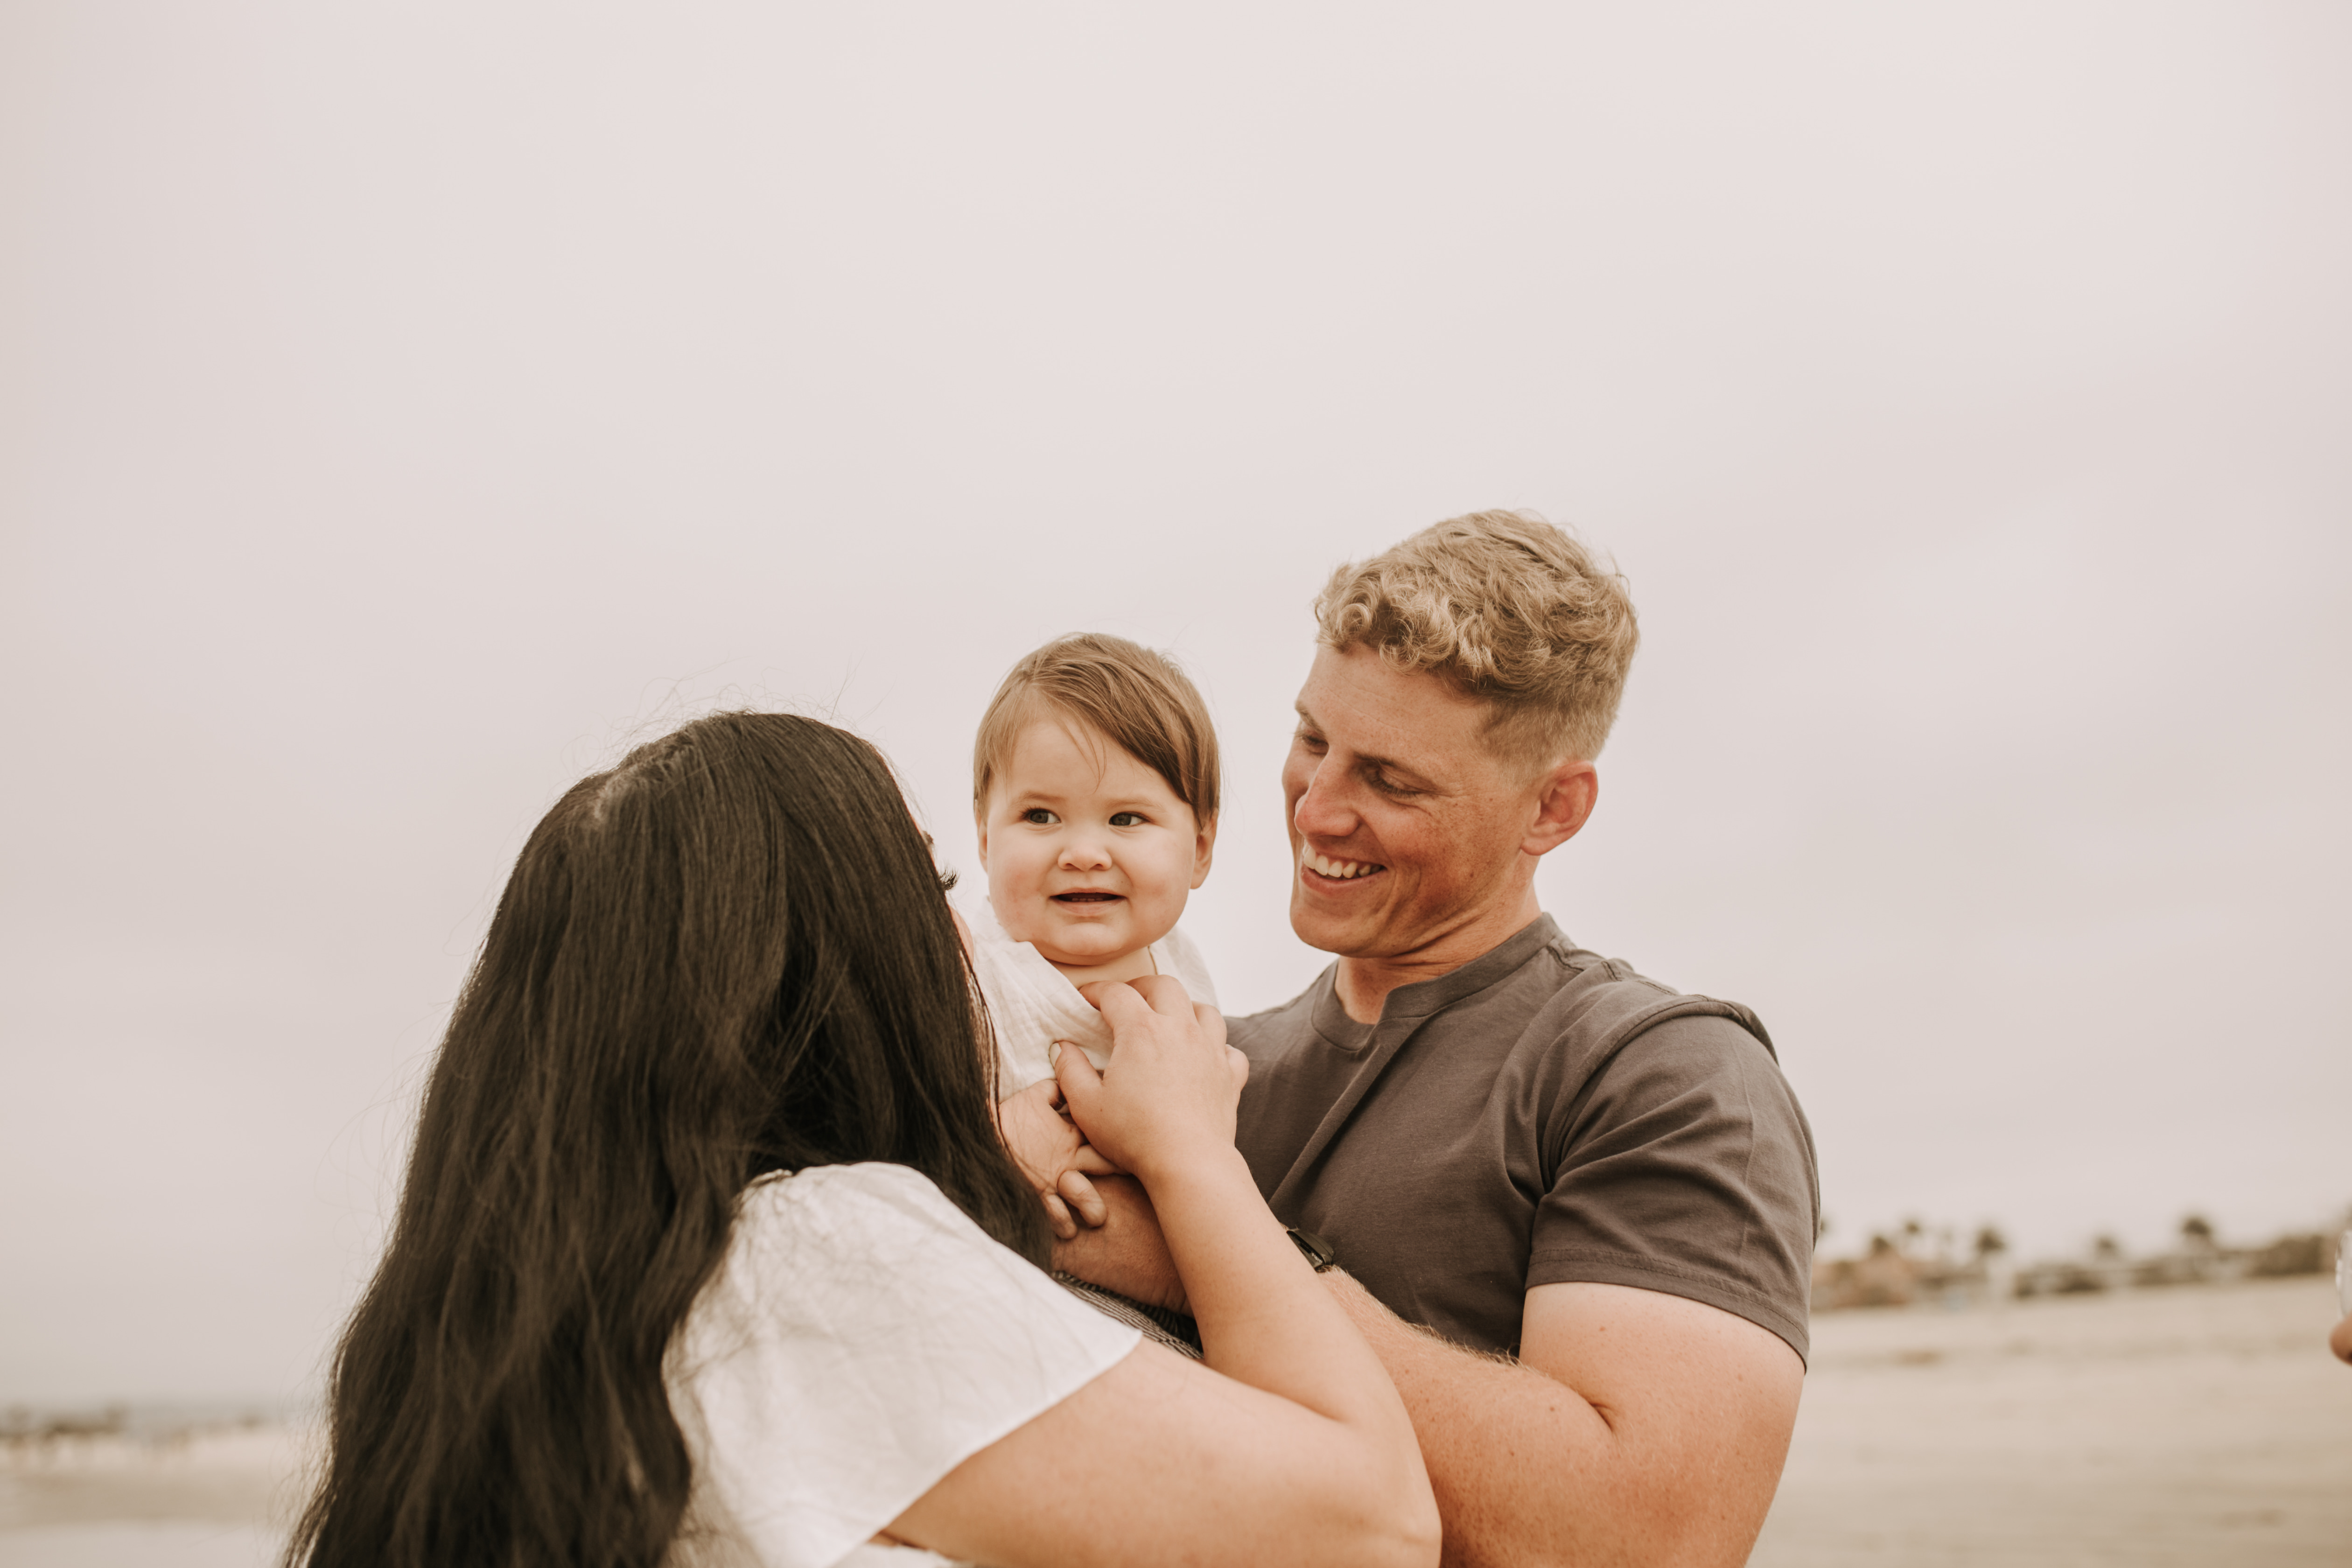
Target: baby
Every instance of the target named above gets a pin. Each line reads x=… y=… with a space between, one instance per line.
x=1094 y=785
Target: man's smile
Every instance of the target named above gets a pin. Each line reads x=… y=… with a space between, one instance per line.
x=1331 y=868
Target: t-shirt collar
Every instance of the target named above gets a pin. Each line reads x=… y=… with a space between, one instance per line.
x=1423 y=997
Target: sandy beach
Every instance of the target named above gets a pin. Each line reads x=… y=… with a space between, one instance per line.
x=205 y=1497
x=2200 y=1427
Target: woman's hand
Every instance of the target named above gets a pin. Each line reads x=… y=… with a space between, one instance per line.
x=1170 y=1096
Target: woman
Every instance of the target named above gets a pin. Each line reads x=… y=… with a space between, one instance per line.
x=708 y=1252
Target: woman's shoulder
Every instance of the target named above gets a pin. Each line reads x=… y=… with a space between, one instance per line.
x=873 y=1259
x=862 y=1336
x=801 y=1221
x=830 y=1195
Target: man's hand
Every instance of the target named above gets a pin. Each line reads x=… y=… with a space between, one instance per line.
x=1054 y=1154
x=1127 y=1253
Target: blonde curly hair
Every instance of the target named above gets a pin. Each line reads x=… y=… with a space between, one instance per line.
x=1510 y=610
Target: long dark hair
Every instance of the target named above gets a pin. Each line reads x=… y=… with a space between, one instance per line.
x=726 y=956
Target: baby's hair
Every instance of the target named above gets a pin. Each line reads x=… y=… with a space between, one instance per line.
x=1134 y=697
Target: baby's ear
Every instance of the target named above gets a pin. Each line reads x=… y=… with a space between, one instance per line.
x=1204 y=849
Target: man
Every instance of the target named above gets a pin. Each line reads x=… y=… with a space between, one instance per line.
x=1593 y=1195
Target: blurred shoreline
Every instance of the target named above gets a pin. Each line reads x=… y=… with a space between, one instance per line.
x=1913 y=1266
x=190 y=1464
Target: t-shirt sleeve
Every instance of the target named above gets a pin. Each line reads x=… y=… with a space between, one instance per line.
x=862 y=1339
x=1686 y=1168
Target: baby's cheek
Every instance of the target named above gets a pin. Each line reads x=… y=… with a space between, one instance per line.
x=1008 y=909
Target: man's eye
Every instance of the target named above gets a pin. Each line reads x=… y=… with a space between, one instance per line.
x=1385 y=784
x=1310 y=740
x=1127 y=819
x=1038 y=815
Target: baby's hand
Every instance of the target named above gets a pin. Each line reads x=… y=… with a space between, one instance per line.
x=1054 y=1154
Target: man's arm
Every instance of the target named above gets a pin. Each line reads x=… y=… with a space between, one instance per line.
x=1635 y=1427
x=1124 y=1250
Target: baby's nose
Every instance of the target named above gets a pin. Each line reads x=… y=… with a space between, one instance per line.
x=1084 y=853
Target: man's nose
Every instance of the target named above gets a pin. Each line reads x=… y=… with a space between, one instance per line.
x=1322 y=812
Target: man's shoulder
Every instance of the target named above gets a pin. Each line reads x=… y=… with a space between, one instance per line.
x=1607 y=1002
x=1539 y=986
x=1560 y=998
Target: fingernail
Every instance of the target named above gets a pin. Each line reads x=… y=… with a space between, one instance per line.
x=1053 y=1054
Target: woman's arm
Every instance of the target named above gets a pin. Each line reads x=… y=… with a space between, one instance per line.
x=1289 y=1445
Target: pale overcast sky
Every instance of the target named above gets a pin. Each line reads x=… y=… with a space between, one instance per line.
x=407 y=406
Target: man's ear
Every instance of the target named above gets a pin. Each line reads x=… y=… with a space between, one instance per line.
x=1564 y=797
x=1204 y=849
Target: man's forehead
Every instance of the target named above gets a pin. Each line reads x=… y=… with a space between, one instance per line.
x=1408 y=713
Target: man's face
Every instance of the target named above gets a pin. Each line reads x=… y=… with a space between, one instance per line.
x=1404 y=825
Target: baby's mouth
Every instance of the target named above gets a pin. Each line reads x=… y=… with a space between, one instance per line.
x=1087 y=896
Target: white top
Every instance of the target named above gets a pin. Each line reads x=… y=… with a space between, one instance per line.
x=1031 y=1003
x=861 y=1338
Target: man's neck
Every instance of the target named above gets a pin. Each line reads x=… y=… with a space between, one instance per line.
x=1364 y=983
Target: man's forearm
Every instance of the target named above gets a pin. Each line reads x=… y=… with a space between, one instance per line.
x=1126 y=1253
x=1528 y=1471
x=1514 y=1456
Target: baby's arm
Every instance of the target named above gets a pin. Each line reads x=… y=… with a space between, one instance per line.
x=1054 y=1154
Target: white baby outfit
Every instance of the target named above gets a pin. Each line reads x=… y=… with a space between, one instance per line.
x=1031 y=1003
x=861 y=1338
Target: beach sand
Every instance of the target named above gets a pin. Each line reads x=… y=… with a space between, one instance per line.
x=2200 y=1427
x=206 y=1497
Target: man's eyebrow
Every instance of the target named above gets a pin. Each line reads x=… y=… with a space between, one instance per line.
x=1365 y=759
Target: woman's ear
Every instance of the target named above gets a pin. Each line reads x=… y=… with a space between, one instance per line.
x=1204 y=849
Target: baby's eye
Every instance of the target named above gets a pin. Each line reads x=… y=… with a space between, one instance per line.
x=1127 y=819
x=1040 y=816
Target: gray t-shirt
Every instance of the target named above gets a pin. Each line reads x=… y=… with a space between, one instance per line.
x=1542 y=1114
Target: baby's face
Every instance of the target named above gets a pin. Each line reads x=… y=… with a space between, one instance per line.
x=1090 y=853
